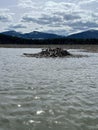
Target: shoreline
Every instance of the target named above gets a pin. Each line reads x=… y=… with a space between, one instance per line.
x=91 y=47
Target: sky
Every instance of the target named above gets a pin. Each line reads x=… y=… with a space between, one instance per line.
x=62 y=17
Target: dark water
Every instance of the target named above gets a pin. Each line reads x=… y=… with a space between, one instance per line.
x=48 y=94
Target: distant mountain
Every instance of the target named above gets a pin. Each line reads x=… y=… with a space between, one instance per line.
x=90 y=34
x=6 y=39
x=32 y=35
x=12 y=33
x=40 y=35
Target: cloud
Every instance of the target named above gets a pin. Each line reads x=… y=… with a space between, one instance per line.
x=25 y=3
x=4 y=18
x=53 y=20
x=84 y=25
x=43 y=20
x=87 y=2
x=52 y=13
x=17 y=26
x=55 y=15
x=6 y=15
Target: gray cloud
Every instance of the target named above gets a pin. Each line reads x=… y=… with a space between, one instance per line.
x=4 y=19
x=54 y=15
x=27 y=19
x=5 y=15
x=83 y=25
x=26 y=3
x=18 y=26
x=44 y=19
x=79 y=20
x=49 y=19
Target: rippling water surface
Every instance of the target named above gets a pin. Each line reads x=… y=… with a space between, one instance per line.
x=48 y=94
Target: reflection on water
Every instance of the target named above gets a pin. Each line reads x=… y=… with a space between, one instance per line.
x=48 y=94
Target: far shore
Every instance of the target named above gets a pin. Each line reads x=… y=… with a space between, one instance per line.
x=86 y=47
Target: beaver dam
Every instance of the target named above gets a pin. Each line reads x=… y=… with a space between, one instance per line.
x=50 y=52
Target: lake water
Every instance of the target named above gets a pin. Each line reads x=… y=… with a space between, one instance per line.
x=48 y=93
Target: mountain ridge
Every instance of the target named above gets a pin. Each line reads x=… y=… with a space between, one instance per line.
x=32 y=35
x=13 y=40
x=89 y=34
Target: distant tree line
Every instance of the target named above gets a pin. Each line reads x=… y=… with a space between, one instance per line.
x=4 y=39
